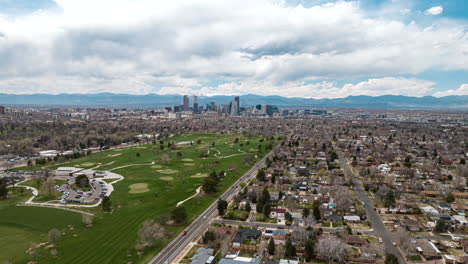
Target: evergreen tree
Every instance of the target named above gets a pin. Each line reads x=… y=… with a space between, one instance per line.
x=309 y=251
x=271 y=247
x=248 y=208
x=222 y=206
x=261 y=175
x=106 y=203
x=389 y=200
x=317 y=214
x=305 y=212
x=441 y=226
x=391 y=259
x=267 y=210
x=266 y=196
x=179 y=215
x=290 y=250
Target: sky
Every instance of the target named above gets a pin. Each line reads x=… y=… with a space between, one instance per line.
x=291 y=48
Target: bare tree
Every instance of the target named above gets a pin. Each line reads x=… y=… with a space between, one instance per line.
x=87 y=219
x=53 y=236
x=150 y=232
x=330 y=249
x=48 y=187
x=403 y=239
x=165 y=158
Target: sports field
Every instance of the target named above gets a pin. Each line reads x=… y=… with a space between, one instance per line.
x=155 y=181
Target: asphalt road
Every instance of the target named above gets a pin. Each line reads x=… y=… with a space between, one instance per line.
x=373 y=217
x=273 y=226
x=200 y=224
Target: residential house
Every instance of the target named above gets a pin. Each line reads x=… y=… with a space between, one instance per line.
x=203 y=256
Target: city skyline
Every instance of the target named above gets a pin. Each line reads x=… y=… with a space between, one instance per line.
x=312 y=49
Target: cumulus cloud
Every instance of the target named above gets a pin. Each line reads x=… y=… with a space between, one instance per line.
x=263 y=46
x=325 y=89
x=435 y=11
x=463 y=90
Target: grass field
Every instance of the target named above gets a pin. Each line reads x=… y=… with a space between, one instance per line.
x=113 y=236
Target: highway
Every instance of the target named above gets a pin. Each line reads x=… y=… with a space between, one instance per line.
x=373 y=217
x=200 y=224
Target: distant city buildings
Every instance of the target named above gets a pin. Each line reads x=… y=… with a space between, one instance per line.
x=186 y=103
x=233 y=108
x=195 y=104
x=2 y=110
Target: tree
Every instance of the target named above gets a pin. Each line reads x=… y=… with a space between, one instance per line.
x=3 y=189
x=330 y=249
x=222 y=206
x=210 y=185
x=305 y=212
x=261 y=175
x=391 y=259
x=53 y=235
x=82 y=181
x=441 y=226
x=266 y=196
x=288 y=217
x=209 y=236
x=248 y=208
x=87 y=219
x=271 y=247
x=290 y=249
x=149 y=232
x=317 y=214
x=309 y=249
x=48 y=187
x=267 y=210
x=106 y=204
x=450 y=198
x=179 y=215
x=389 y=200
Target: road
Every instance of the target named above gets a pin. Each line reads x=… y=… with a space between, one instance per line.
x=199 y=225
x=373 y=217
x=275 y=226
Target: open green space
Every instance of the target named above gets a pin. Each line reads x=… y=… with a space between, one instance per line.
x=39 y=185
x=21 y=226
x=112 y=237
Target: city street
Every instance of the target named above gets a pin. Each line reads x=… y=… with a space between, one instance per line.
x=373 y=217
x=199 y=225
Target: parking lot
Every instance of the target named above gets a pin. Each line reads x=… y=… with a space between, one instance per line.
x=72 y=195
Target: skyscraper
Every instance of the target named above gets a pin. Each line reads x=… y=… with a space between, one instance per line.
x=186 y=103
x=237 y=101
x=235 y=106
x=2 y=110
x=195 y=104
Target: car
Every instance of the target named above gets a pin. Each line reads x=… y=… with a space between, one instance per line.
x=184 y=233
x=380 y=240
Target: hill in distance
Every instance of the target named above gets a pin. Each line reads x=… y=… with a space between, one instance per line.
x=155 y=100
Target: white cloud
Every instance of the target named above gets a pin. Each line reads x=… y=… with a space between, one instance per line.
x=463 y=90
x=435 y=11
x=325 y=89
x=262 y=46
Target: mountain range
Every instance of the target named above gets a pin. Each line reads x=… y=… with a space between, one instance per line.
x=155 y=100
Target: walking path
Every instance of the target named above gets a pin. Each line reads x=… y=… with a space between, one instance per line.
x=197 y=191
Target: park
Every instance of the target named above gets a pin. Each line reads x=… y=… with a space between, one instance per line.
x=157 y=179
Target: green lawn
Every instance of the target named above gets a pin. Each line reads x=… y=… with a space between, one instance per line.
x=44 y=198
x=21 y=226
x=113 y=235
